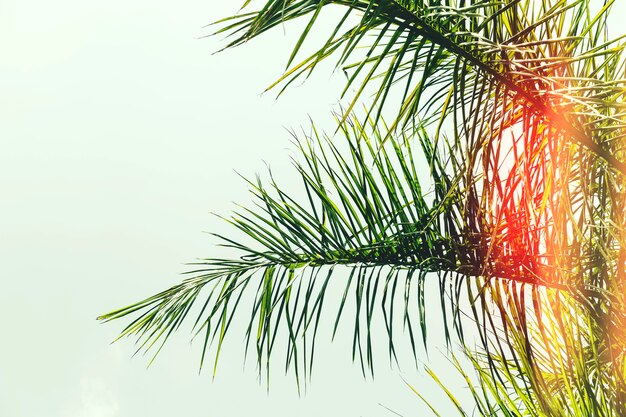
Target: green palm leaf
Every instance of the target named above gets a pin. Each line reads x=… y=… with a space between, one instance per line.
x=549 y=58
x=365 y=212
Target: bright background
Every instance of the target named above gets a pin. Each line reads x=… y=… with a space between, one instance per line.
x=120 y=133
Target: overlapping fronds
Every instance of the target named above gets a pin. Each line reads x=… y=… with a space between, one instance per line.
x=502 y=172
x=548 y=355
x=548 y=58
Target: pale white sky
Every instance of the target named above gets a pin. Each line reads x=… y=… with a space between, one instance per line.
x=120 y=133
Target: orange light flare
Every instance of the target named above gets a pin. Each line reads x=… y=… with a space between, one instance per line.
x=529 y=218
x=527 y=174
x=524 y=172
x=536 y=221
x=538 y=226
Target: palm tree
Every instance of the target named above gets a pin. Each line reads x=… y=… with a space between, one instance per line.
x=500 y=175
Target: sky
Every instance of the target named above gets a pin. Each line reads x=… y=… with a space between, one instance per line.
x=121 y=133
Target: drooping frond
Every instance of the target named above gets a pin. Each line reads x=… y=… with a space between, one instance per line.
x=451 y=58
x=367 y=211
x=365 y=214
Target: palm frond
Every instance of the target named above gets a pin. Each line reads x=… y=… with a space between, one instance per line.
x=365 y=212
x=369 y=212
x=549 y=58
